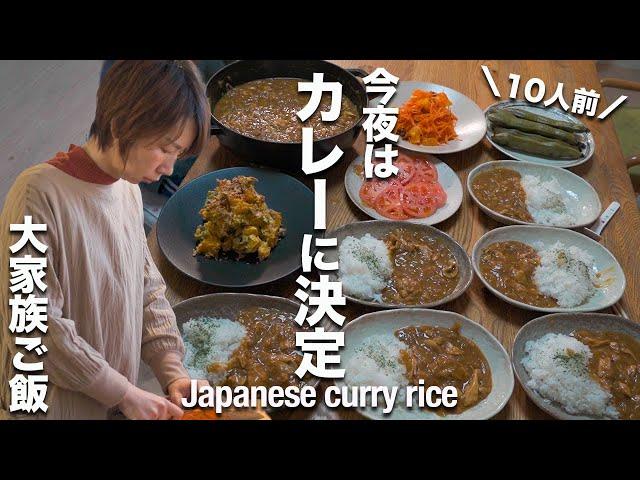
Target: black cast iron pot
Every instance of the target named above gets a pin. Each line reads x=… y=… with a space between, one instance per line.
x=283 y=155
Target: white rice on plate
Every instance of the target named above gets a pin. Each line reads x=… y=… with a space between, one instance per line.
x=365 y=267
x=546 y=202
x=377 y=363
x=565 y=273
x=209 y=340
x=557 y=365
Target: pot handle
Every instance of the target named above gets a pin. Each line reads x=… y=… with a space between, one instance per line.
x=357 y=72
x=216 y=129
x=360 y=73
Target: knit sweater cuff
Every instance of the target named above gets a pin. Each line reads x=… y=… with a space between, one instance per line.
x=109 y=387
x=167 y=366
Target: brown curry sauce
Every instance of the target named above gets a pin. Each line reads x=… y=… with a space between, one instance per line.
x=267 y=355
x=615 y=365
x=509 y=267
x=500 y=190
x=267 y=109
x=443 y=357
x=424 y=269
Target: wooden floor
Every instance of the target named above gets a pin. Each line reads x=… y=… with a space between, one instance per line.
x=44 y=106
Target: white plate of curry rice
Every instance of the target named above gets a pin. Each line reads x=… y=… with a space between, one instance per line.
x=379 y=345
x=580 y=366
x=572 y=145
x=396 y=265
x=525 y=193
x=548 y=269
x=224 y=336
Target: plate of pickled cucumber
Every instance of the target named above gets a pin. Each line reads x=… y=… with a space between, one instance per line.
x=547 y=136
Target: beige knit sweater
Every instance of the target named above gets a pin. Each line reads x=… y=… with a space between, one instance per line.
x=106 y=297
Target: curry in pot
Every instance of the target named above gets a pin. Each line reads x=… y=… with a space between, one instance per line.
x=267 y=109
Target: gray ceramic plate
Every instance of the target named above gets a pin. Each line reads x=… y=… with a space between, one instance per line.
x=579 y=196
x=180 y=216
x=553 y=112
x=531 y=234
x=564 y=323
x=387 y=322
x=378 y=229
x=229 y=305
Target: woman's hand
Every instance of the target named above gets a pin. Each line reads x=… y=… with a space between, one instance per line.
x=181 y=388
x=139 y=404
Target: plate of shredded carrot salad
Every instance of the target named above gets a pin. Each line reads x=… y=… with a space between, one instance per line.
x=424 y=190
x=436 y=119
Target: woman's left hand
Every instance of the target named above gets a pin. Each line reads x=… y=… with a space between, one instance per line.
x=181 y=388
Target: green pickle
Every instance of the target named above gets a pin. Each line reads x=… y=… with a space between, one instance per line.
x=535 y=144
x=534 y=117
x=508 y=120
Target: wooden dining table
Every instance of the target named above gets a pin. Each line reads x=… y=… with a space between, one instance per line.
x=605 y=171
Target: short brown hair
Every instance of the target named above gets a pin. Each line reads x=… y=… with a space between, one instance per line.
x=148 y=98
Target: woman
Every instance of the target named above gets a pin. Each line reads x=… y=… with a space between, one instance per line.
x=106 y=302
x=207 y=68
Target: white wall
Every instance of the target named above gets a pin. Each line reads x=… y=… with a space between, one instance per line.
x=44 y=106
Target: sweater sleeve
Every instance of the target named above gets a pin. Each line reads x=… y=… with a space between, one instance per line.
x=162 y=345
x=70 y=362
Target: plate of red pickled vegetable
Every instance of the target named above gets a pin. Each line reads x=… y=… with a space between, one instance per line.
x=436 y=119
x=424 y=190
